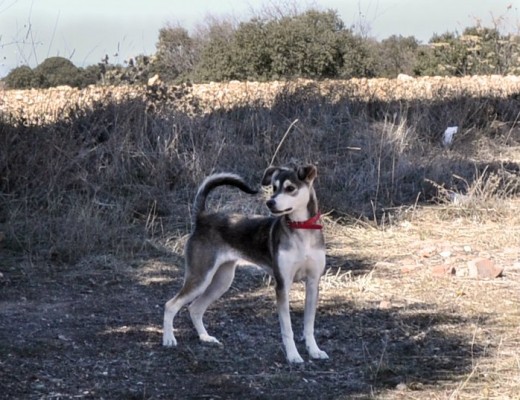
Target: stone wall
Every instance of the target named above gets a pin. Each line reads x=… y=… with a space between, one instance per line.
x=46 y=106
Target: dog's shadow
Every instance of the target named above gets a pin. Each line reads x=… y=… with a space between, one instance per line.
x=374 y=346
x=371 y=348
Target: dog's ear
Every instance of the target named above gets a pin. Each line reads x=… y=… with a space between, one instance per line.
x=268 y=175
x=307 y=173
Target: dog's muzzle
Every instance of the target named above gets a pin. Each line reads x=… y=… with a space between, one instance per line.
x=271 y=205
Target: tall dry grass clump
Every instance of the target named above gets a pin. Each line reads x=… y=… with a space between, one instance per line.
x=107 y=177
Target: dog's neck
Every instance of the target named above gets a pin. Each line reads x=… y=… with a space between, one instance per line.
x=311 y=223
x=303 y=214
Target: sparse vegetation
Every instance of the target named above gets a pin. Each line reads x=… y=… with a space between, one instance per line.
x=94 y=211
x=96 y=184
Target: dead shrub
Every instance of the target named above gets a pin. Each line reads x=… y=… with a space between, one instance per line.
x=107 y=177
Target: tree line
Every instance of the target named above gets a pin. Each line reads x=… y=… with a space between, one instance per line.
x=312 y=44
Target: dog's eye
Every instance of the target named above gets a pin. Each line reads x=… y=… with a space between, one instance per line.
x=290 y=189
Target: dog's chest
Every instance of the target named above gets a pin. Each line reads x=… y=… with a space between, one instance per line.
x=305 y=255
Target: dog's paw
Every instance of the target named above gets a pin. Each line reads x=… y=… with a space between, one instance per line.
x=318 y=355
x=169 y=340
x=209 y=339
x=294 y=359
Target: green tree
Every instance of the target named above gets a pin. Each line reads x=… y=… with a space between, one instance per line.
x=22 y=77
x=478 y=50
x=307 y=45
x=359 y=57
x=91 y=75
x=490 y=52
x=253 y=56
x=217 y=54
x=177 y=53
x=397 y=55
x=446 y=55
x=55 y=71
x=314 y=44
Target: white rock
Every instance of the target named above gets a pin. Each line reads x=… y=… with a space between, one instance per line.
x=447 y=138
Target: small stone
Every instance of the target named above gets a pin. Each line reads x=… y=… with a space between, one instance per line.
x=408 y=268
x=427 y=251
x=467 y=249
x=445 y=254
x=384 y=264
x=443 y=270
x=385 y=305
x=484 y=268
x=154 y=80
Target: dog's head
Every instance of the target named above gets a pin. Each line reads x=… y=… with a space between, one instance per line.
x=291 y=188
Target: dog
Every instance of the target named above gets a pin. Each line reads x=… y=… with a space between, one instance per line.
x=289 y=245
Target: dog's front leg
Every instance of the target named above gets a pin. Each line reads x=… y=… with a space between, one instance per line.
x=282 y=302
x=311 y=303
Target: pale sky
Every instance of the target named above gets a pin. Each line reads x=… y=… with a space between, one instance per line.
x=85 y=30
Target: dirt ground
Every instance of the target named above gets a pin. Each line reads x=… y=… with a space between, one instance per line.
x=392 y=328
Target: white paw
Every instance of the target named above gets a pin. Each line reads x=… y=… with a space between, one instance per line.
x=294 y=358
x=209 y=339
x=318 y=355
x=169 y=340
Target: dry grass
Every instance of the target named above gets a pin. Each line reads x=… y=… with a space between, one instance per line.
x=398 y=276
x=94 y=212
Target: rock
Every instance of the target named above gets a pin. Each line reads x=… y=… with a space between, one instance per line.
x=384 y=264
x=385 y=305
x=404 y=77
x=427 y=251
x=484 y=268
x=408 y=265
x=445 y=254
x=443 y=270
x=407 y=269
x=447 y=138
x=154 y=80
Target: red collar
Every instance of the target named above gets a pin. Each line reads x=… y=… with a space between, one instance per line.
x=308 y=224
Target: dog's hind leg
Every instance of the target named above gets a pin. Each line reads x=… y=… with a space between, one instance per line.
x=219 y=285
x=193 y=287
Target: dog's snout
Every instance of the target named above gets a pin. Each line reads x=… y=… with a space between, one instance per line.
x=270 y=203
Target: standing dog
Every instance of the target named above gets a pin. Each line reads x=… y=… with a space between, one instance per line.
x=289 y=245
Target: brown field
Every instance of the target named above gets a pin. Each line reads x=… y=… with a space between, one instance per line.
x=94 y=206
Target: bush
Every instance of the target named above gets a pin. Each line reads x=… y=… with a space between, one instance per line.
x=56 y=71
x=177 y=53
x=217 y=54
x=20 y=78
x=478 y=51
x=311 y=45
x=397 y=55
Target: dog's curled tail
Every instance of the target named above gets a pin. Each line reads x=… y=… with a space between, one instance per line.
x=213 y=181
